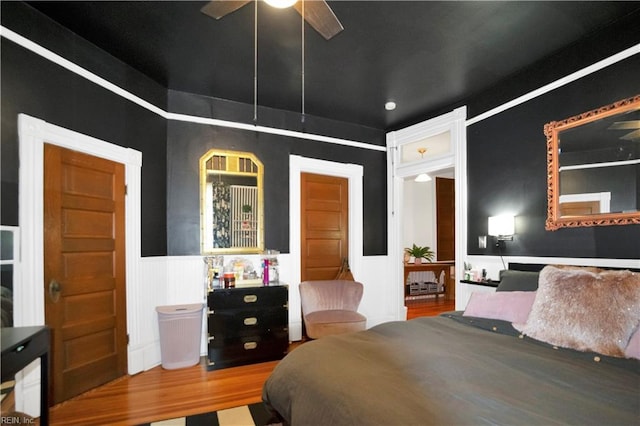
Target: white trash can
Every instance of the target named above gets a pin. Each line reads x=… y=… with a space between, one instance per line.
x=180 y=334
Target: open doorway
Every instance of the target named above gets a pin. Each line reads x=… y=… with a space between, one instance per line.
x=429 y=221
x=354 y=174
x=435 y=148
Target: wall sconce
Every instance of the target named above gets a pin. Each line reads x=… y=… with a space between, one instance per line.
x=502 y=227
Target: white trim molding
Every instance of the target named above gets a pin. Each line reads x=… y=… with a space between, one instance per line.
x=28 y=293
x=57 y=59
x=454 y=123
x=354 y=173
x=627 y=53
x=105 y=84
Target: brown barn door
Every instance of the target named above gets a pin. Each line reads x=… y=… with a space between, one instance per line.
x=445 y=219
x=324 y=225
x=84 y=270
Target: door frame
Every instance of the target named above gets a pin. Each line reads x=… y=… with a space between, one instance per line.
x=455 y=123
x=33 y=133
x=354 y=174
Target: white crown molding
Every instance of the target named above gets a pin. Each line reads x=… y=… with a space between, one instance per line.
x=82 y=72
x=627 y=53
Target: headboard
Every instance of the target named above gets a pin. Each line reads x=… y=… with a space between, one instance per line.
x=537 y=267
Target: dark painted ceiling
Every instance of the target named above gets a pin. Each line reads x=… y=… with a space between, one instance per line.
x=424 y=55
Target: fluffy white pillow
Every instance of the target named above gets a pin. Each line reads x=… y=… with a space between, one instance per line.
x=585 y=309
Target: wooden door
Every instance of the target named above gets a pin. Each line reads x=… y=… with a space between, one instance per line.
x=84 y=270
x=445 y=219
x=324 y=225
x=579 y=208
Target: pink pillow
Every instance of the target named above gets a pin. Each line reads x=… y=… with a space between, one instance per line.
x=512 y=306
x=633 y=347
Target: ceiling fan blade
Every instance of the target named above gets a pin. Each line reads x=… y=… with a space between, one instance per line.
x=622 y=125
x=633 y=136
x=219 y=8
x=320 y=16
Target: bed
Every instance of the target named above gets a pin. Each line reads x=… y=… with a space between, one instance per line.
x=493 y=368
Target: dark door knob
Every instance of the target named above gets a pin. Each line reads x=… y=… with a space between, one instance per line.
x=54 y=291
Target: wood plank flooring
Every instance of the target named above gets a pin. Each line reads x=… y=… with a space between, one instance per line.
x=428 y=307
x=159 y=394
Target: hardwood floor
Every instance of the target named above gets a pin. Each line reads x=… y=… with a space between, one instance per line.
x=159 y=394
x=428 y=307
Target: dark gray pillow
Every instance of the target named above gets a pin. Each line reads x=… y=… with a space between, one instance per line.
x=518 y=280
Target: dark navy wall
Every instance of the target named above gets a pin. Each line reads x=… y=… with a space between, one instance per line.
x=187 y=142
x=42 y=89
x=507 y=170
x=506 y=153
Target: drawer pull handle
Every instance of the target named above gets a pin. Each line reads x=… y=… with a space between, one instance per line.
x=250 y=298
x=211 y=362
x=210 y=312
x=250 y=345
x=250 y=321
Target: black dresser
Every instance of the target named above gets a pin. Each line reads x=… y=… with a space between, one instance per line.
x=247 y=325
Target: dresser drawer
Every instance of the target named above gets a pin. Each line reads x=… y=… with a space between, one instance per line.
x=224 y=340
x=226 y=324
x=247 y=325
x=235 y=298
x=247 y=350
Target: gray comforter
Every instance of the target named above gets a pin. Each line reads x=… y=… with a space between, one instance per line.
x=450 y=370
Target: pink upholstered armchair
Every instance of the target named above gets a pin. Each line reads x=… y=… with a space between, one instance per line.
x=331 y=307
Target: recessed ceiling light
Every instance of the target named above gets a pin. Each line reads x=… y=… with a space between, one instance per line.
x=390 y=106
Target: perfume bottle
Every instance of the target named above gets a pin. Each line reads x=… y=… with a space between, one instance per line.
x=269 y=263
x=265 y=271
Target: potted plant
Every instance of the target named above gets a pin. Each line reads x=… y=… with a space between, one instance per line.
x=246 y=208
x=420 y=253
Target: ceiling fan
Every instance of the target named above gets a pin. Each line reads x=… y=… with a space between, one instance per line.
x=633 y=125
x=317 y=13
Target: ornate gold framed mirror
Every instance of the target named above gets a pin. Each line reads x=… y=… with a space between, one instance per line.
x=231 y=203
x=593 y=167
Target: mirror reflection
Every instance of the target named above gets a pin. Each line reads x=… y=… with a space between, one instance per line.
x=231 y=202
x=594 y=167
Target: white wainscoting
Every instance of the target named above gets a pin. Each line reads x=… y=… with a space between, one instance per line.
x=173 y=280
x=381 y=289
x=176 y=280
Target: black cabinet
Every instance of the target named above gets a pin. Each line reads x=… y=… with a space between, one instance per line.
x=20 y=347
x=247 y=325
